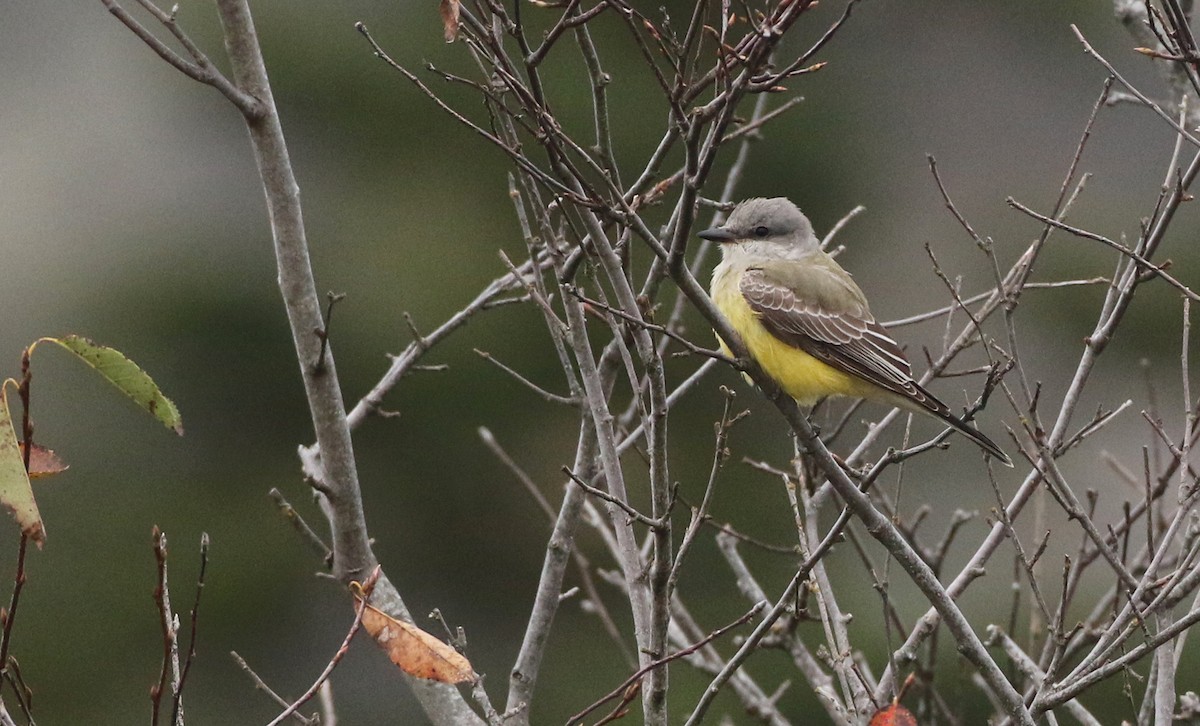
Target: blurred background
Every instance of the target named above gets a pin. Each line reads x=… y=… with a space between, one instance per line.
x=130 y=212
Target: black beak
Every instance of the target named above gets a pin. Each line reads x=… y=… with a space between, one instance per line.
x=716 y=234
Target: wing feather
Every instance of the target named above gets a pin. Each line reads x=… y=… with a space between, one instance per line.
x=837 y=329
x=818 y=309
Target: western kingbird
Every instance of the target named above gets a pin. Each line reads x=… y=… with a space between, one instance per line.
x=805 y=322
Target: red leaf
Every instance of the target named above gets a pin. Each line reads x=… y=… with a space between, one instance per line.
x=893 y=715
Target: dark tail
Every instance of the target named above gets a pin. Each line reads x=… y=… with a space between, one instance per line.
x=942 y=411
x=974 y=435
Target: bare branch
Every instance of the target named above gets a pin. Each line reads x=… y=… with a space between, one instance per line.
x=637 y=676
x=193 y=618
x=1087 y=47
x=367 y=586
x=199 y=68
x=261 y=685
x=1147 y=265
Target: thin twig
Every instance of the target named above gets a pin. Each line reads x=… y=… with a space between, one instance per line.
x=637 y=676
x=199 y=69
x=541 y=392
x=367 y=586
x=169 y=626
x=1147 y=265
x=634 y=514
x=261 y=685
x=193 y=618
x=311 y=538
x=1087 y=47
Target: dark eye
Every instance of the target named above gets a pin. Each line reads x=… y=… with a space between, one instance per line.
x=761 y=231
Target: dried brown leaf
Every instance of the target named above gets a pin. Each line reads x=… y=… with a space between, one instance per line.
x=449 y=10
x=416 y=652
x=42 y=461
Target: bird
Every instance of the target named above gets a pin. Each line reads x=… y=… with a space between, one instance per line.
x=804 y=320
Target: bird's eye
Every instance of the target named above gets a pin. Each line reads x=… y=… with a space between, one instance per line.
x=761 y=231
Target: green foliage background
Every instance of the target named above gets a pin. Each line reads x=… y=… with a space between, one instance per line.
x=130 y=213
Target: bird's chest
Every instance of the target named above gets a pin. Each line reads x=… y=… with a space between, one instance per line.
x=727 y=296
x=802 y=376
x=724 y=288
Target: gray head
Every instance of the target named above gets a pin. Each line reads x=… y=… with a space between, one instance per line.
x=774 y=227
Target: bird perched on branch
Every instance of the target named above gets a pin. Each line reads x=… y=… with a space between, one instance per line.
x=805 y=322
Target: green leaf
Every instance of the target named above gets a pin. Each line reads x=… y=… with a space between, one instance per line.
x=15 y=492
x=125 y=375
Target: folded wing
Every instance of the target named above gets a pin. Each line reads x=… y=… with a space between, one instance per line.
x=818 y=309
x=825 y=315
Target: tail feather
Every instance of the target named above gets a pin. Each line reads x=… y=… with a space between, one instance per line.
x=978 y=438
x=930 y=404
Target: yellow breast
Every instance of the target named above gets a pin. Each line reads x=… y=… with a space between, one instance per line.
x=802 y=376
